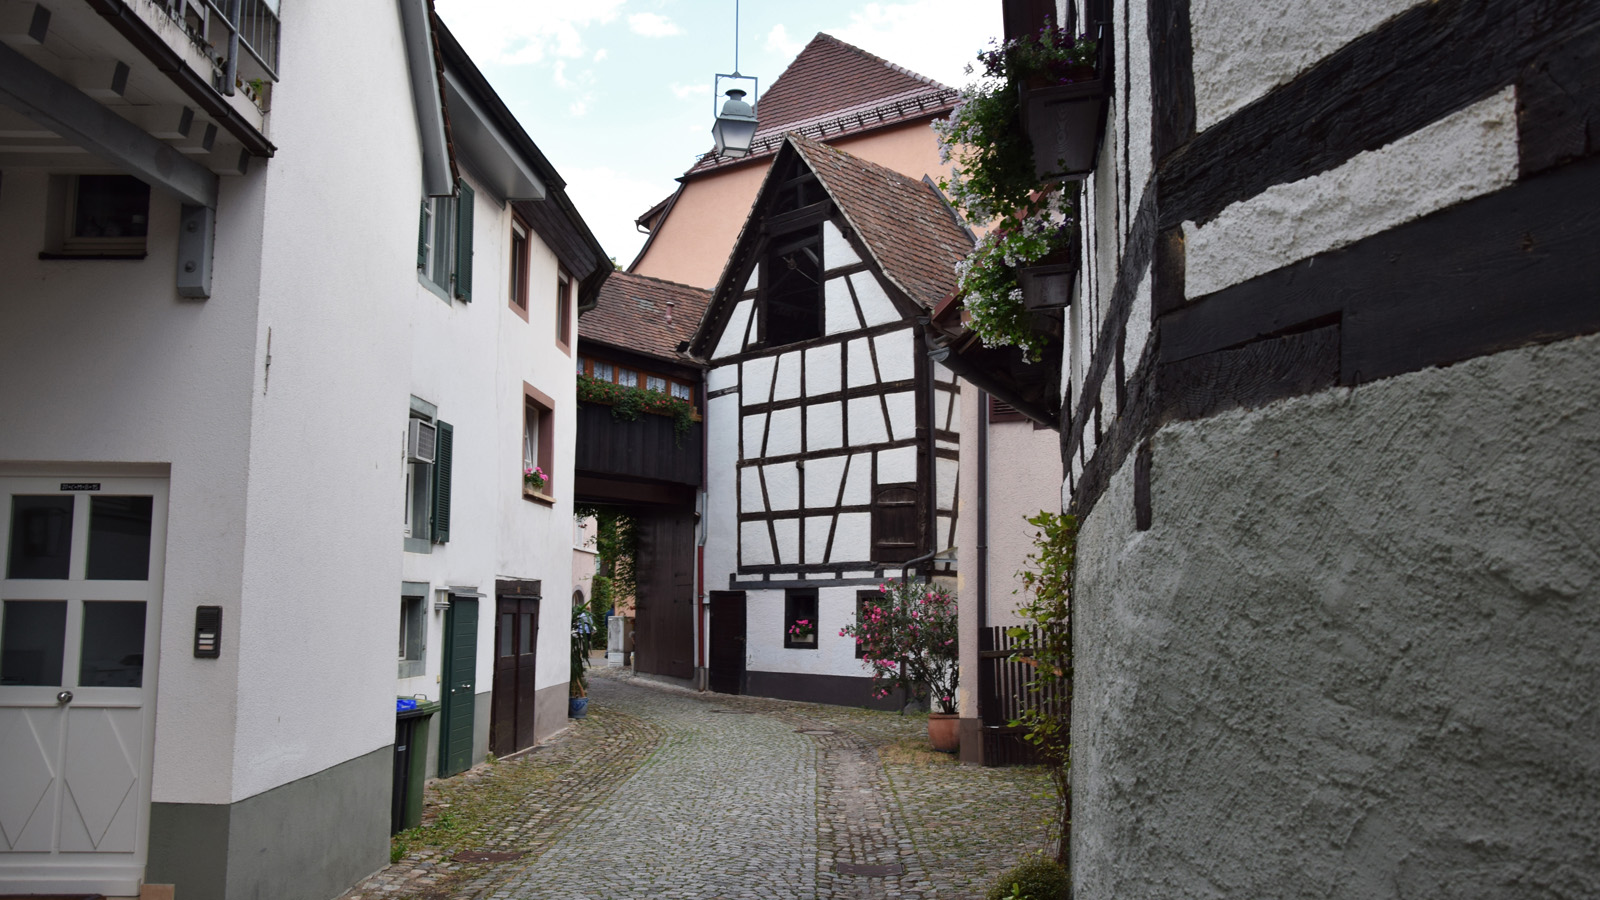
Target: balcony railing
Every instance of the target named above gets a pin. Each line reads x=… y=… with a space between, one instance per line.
x=222 y=28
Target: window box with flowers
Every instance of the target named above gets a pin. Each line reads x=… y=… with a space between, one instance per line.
x=628 y=403
x=1065 y=88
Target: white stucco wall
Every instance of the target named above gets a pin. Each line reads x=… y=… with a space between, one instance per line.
x=1360 y=635
x=1245 y=48
x=1463 y=155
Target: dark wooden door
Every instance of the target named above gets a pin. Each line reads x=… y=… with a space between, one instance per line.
x=663 y=636
x=459 y=689
x=727 y=651
x=516 y=645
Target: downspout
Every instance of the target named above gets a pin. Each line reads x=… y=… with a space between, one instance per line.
x=704 y=676
x=984 y=674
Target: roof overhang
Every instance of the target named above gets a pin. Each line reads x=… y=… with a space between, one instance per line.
x=492 y=155
x=438 y=179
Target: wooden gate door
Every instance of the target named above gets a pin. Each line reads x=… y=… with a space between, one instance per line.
x=727 y=648
x=460 y=674
x=80 y=625
x=663 y=636
x=516 y=642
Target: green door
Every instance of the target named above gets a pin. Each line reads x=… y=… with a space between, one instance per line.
x=460 y=685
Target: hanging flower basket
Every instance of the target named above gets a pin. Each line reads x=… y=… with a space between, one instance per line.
x=1048 y=282
x=1065 y=122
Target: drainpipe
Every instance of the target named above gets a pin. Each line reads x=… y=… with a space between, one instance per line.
x=983 y=510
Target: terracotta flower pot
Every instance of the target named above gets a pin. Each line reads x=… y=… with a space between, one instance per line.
x=943 y=732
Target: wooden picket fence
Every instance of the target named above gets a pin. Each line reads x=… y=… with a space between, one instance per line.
x=1003 y=695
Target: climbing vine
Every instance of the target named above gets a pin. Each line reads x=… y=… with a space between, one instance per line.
x=1047 y=716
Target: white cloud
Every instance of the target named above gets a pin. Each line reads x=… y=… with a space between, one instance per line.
x=504 y=31
x=936 y=38
x=653 y=25
x=600 y=55
x=779 y=42
x=685 y=91
x=609 y=200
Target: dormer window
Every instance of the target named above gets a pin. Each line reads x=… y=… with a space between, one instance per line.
x=791 y=295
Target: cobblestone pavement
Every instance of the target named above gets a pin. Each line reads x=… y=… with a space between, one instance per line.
x=663 y=792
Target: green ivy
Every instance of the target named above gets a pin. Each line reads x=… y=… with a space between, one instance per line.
x=1047 y=583
x=628 y=403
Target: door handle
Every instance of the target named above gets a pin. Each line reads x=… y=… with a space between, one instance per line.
x=64 y=698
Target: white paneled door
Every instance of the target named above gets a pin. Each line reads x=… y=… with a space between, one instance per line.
x=80 y=603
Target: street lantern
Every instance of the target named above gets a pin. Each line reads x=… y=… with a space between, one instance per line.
x=735 y=127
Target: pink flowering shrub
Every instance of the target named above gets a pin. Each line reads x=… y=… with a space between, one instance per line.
x=909 y=639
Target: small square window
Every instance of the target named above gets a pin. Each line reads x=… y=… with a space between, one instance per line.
x=655 y=383
x=413 y=635
x=800 y=625
x=628 y=378
x=99 y=215
x=438 y=240
x=682 y=391
x=604 y=372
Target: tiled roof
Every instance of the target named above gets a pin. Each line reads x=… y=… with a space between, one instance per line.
x=904 y=222
x=633 y=314
x=833 y=88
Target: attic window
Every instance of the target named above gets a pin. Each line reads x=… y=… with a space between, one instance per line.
x=792 y=296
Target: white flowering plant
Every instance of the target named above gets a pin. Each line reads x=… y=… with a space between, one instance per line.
x=992 y=178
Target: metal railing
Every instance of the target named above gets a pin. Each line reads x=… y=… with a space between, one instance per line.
x=222 y=28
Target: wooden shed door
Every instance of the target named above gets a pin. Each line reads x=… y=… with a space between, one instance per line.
x=727 y=650
x=516 y=643
x=664 y=609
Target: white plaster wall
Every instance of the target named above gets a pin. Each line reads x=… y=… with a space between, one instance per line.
x=1361 y=634
x=836 y=251
x=105 y=363
x=784 y=431
x=866 y=421
x=852 y=537
x=824 y=426
x=823 y=369
x=1137 y=103
x=897 y=465
x=834 y=655
x=1024 y=470
x=860 y=369
x=824 y=478
x=731 y=340
x=755 y=385
x=722 y=501
x=897 y=356
x=1245 y=48
x=786 y=385
x=876 y=307
x=1464 y=155
x=839 y=310
x=902 y=407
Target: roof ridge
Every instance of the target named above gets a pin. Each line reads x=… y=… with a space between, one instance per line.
x=677 y=284
x=869 y=165
x=878 y=59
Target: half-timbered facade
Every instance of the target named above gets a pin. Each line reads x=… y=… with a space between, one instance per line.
x=1330 y=430
x=832 y=453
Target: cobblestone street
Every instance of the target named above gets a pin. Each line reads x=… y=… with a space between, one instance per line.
x=663 y=792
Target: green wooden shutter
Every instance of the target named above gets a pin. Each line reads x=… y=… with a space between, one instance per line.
x=442 y=453
x=464 y=243
x=422 y=237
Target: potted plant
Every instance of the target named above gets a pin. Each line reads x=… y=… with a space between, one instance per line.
x=577 y=695
x=534 y=479
x=803 y=632
x=1064 y=83
x=1028 y=260
x=909 y=639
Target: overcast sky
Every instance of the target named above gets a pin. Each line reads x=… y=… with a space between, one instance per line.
x=618 y=93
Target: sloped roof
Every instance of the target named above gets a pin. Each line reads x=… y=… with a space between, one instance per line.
x=832 y=89
x=633 y=314
x=905 y=223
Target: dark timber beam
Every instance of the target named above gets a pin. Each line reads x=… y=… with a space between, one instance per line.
x=69 y=112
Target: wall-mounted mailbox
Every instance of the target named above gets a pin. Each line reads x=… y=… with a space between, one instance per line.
x=207 y=632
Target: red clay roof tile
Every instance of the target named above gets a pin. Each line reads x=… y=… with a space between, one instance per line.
x=633 y=315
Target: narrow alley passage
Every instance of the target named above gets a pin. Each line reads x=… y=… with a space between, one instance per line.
x=662 y=792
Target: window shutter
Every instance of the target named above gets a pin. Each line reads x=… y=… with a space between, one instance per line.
x=1001 y=411
x=422 y=237
x=895 y=528
x=443 y=452
x=464 y=243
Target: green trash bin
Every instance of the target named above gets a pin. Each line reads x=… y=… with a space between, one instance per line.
x=411 y=724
